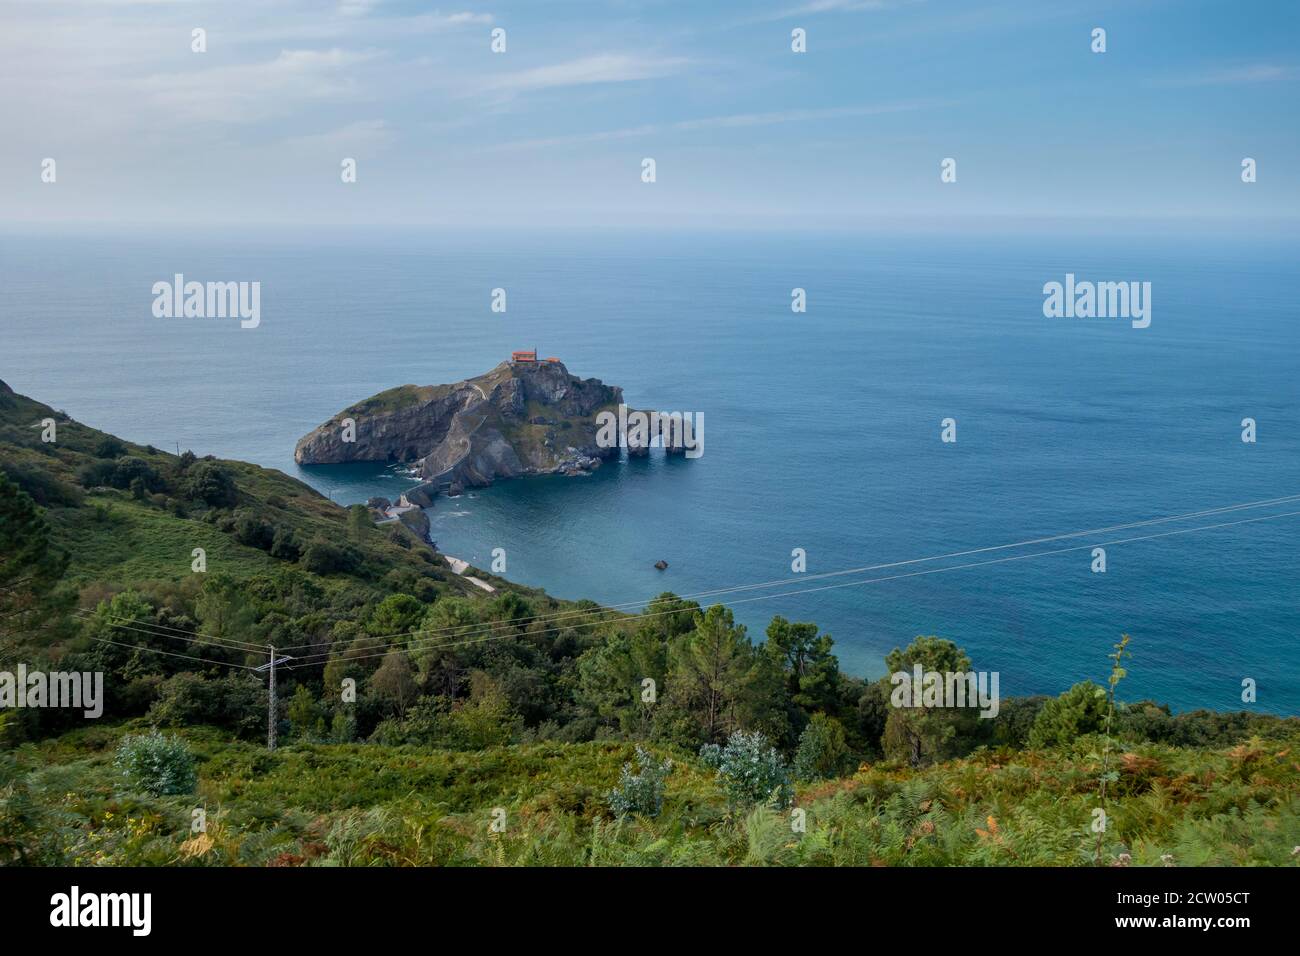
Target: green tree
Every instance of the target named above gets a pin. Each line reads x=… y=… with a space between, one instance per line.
x=1080 y=710
x=925 y=734
x=207 y=482
x=708 y=668
x=441 y=657
x=396 y=614
x=1015 y=720
x=763 y=701
x=823 y=749
x=360 y=524
x=285 y=544
x=325 y=557
x=224 y=615
x=123 y=642
x=670 y=616
x=813 y=672
x=393 y=681
x=611 y=673
x=872 y=716
x=305 y=715
x=485 y=720
x=109 y=447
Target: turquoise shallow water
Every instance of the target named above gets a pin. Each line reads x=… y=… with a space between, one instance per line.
x=822 y=429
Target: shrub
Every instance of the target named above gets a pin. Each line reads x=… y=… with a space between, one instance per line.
x=234 y=702
x=187 y=698
x=156 y=764
x=322 y=557
x=641 y=792
x=206 y=482
x=30 y=834
x=822 y=751
x=485 y=721
x=750 y=770
x=306 y=717
x=343 y=728
x=120 y=473
x=96 y=474
x=285 y=544
x=1080 y=710
x=127 y=471
x=46 y=490
x=109 y=447
x=252 y=531
x=396 y=614
x=1015 y=720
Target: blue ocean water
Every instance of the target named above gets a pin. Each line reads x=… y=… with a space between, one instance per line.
x=821 y=429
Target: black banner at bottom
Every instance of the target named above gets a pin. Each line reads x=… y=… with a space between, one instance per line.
x=334 y=906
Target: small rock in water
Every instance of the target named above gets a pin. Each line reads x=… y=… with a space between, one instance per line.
x=661 y=565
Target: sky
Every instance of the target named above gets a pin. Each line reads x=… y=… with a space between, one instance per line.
x=744 y=132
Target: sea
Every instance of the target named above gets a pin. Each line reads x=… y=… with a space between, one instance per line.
x=823 y=429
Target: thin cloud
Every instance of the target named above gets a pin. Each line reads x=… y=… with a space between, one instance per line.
x=363 y=8
x=362 y=138
x=733 y=121
x=1231 y=76
x=362 y=27
x=816 y=7
x=602 y=68
x=255 y=91
x=357 y=8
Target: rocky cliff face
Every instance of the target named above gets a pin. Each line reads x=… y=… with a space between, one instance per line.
x=528 y=418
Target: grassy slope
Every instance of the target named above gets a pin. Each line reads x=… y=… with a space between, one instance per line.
x=114 y=538
x=368 y=804
x=394 y=399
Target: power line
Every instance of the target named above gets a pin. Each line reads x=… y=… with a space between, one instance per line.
x=424 y=645
x=590 y=614
x=191 y=637
x=273 y=660
x=469 y=628
x=154 y=650
x=475 y=632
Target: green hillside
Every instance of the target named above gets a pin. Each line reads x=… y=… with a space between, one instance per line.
x=126 y=512
x=423 y=721
x=368 y=804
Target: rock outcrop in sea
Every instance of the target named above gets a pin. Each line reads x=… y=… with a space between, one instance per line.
x=521 y=418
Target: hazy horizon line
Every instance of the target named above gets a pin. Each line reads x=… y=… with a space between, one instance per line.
x=957 y=223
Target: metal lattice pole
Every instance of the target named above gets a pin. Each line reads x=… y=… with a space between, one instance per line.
x=269 y=667
x=270 y=707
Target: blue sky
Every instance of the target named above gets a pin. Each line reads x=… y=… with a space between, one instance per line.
x=745 y=133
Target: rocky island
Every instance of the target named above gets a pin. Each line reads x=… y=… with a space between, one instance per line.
x=524 y=417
